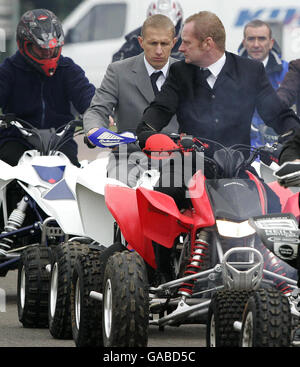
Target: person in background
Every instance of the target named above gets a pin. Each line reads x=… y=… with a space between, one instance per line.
x=289 y=90
x=171 y=9
x=39 y=85
x=259 y=45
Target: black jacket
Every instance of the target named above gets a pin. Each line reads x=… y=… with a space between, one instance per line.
x=223 y=113
x=43 y=101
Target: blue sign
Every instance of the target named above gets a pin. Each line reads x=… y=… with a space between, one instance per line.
x=285 y=16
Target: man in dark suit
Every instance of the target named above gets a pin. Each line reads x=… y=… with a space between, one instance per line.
x=219 y=106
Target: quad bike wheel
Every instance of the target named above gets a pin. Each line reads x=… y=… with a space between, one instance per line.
x=33 y=287
x=59 y=310
x=125 y=311
x=225 y=308
x=86 y=314
x=266 y=320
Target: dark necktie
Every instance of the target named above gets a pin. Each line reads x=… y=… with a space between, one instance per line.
x=205 y=73
x=154 y=76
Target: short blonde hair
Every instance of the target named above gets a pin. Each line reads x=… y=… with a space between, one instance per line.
x=158 y=21
x=207 y=24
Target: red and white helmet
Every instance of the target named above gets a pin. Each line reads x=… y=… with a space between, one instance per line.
x=40 y=30
x=171 y=9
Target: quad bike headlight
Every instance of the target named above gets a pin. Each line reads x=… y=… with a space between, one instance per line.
x=234 y=229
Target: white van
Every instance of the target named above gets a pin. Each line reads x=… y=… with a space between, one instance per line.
x=95 y=30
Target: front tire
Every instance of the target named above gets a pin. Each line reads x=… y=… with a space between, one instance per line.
x=125 y=316
x=86 y=313
x=33 y=287
x=266 y=320
x=225 y=308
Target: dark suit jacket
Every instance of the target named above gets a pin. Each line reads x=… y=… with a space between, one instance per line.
x=289 y=90
x=223 y=113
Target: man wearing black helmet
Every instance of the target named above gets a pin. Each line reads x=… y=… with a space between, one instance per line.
x=39 y=85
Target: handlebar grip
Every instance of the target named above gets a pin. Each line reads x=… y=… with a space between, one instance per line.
x=88 y=143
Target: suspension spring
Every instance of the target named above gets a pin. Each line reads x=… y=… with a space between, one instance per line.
x=14 y=222
x=199 y=251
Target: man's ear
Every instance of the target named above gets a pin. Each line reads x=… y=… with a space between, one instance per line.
x=140 y=39
x=175 y=39
x=272 y=43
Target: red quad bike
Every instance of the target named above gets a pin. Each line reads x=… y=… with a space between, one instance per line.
x=216 y=259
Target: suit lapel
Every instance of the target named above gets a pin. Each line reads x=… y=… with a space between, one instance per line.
x=142 y=79
x=228 y=72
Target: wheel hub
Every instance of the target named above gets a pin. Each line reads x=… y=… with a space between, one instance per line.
x=77 y=304
x=212 y=338
x=53 y=289
x=107 y=307
x=247 y=337
x=22 y=288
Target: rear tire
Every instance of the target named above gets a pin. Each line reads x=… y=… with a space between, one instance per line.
x=33 y=287
x=267 y=320
x=59 y=310
x=125 y=316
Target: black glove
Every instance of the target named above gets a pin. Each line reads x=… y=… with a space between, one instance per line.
x=270 y=154
x=283 y=138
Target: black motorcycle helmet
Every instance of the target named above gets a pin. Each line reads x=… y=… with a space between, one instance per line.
x=40 y=39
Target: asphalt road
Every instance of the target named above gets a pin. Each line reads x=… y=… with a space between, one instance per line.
x=13 y=334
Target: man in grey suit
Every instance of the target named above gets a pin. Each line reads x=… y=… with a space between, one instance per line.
x=126 y=89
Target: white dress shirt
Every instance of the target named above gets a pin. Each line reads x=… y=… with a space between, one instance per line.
x=162 y=78
x=215 y=70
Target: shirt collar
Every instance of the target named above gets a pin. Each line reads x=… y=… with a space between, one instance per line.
x=216 y=68
x=150 y=68
x=265 y=61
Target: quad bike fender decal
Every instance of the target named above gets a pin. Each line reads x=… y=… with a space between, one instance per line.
x=122 y=203
x=160 y=218
x=204 y=215
x=261 y=192
x=61 y=191
x=292 y=206
x=50 y=174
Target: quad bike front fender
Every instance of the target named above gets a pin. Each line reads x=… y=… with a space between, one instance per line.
x=122 y=203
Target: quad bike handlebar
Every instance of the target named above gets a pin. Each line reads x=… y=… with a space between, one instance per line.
x=288 y=174
x=47 y=141
x=230 y=160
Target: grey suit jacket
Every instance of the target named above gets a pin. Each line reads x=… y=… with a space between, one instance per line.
x=124 y=93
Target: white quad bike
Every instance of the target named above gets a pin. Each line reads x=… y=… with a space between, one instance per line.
x=123 y=280
x=51 y=211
